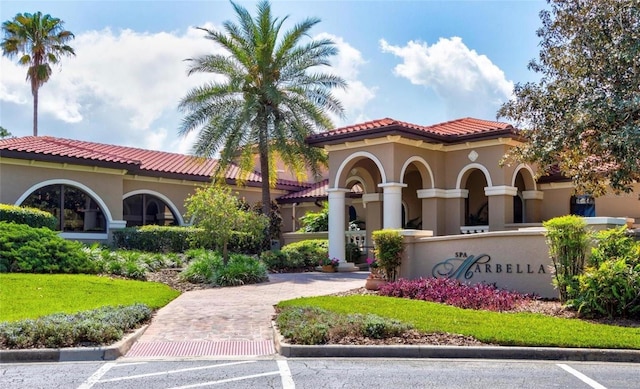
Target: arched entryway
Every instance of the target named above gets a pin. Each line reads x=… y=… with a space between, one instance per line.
x=417 y=176
x=527 y=200
x=477 y=203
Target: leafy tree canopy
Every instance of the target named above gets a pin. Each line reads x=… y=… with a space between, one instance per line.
x=220 y=213
x=4 y=133
x=583 y=116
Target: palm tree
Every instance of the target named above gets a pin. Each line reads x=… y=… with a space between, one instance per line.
x=39 y=40
x=271 y=97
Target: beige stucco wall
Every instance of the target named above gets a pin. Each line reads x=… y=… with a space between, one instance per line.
x=517 y=260
x=620 y=205
x=17 y=179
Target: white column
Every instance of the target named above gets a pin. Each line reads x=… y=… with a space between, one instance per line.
x=392 y=205
x=337 y=223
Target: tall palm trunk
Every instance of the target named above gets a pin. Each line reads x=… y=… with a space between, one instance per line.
x=34 y=91
x=264 y=171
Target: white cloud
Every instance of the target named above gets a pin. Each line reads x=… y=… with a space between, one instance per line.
x=122 y=87
x=347 y=65
x=468 y=83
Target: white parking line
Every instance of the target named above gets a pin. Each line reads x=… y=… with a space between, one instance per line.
x=247 y=377
x=132 y=377
x=581 y=376
x=285 y=374
x=95 y=377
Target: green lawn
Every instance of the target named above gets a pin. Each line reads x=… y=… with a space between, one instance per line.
x=24 y=296
x=515 y=329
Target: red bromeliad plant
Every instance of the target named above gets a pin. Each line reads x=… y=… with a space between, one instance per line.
x=453 y=292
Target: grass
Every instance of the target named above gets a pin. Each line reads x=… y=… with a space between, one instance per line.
x=29 y=296
x=509 y=329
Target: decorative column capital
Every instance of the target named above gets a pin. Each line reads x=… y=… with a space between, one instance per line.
x=457 y=193
x=335 y=192
x=533 y=195
x=392 y=185
x=431 y=193
x=500 y=190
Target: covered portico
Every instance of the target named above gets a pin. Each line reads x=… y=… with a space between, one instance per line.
x=445 y=178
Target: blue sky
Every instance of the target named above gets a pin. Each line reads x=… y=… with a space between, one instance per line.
x=418 y=61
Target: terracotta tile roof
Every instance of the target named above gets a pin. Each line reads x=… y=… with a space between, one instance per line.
x=446 y=132
x=315 y=191
x=135 y=160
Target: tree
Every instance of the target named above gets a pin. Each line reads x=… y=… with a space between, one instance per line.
x=39 y=40
x=221 y=215
x=583 y=116
x=271 y=97
x=4 y=133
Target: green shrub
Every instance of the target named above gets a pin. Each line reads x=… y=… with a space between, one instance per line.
x=306 y=254
x=610 y=285
x=276 y=261
x=202 y=266
x=207 y=267
x=388 y=251
x=567 y=238
x=128 y=263
x=24 y=249
x=96 y=327
x=32 y=217
x=316 y=221
x=612 y=289
x=614 y=243
x=158 y=239
x=312 y=326
x=241 y=270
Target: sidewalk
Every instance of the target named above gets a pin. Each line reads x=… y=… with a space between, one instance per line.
x=232 y=321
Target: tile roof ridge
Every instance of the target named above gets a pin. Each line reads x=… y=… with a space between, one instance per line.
x=82 y=145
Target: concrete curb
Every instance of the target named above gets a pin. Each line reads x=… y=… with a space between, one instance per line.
x=103 y=353
x=453 y=352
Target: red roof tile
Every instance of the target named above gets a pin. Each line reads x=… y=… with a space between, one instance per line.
x=135 y=160
x=317 y=190
x=447 y=131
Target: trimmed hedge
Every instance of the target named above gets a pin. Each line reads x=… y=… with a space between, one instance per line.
x=32 y=217
x=306 y=254
x=24 y=249
x=174 y=239
x=156 y=239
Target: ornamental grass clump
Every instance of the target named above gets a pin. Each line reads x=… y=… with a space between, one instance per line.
x=312 y=325
x=88 y=328
x=452 y=292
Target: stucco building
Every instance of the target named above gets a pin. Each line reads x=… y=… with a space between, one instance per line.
x=444 y=178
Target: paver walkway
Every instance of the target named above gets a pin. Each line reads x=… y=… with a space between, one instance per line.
x=233 y=320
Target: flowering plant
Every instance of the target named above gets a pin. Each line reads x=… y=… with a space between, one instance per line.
x=327 y=261
x=372 y=263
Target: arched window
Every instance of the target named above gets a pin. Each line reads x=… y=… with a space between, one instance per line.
x=143 y=209
x=75 y=210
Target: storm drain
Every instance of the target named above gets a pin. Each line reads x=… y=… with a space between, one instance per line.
x=200 y=349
